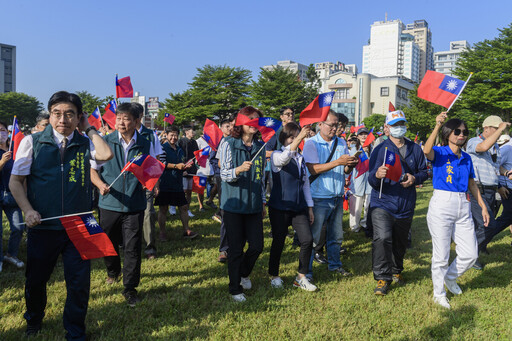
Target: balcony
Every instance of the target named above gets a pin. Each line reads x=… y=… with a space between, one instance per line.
x=340 y=86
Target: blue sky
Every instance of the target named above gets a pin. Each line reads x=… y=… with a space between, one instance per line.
x=81 y=45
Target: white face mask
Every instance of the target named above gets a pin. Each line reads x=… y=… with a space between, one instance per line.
x=3 y=136
x=397 y=132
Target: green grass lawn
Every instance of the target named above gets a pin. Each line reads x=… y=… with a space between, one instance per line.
x=185 y=296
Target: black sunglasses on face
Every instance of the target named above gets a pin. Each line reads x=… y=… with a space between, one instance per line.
x=457 y=132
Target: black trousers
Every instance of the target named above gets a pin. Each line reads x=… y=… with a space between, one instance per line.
x=43 y=249
x=242 y=228
x=125 y=228
x=223 y=238
x=389 y=244
x=279 y=221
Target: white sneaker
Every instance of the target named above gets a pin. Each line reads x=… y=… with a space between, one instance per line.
x=276 y=283
x=452 y=286
x=304 y=284
x=239 y=298
x=190 y=214
x=245 y=282
x=443 y=302
x=14 y=261
x=172 y=210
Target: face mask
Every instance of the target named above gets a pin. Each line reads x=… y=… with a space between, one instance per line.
x=397 y=132
x=3 y=136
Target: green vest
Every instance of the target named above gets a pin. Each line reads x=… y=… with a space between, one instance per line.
x=55 y=188
x=244 y=195
x=126 y=195
x=148 y=134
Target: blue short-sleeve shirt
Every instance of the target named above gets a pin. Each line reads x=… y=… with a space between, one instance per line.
x=451 y=173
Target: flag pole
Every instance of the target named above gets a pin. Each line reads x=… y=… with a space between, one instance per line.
x=12 y=132
x=255 y=156
x=124 y=170
x=383 y=163
x=61 y=216
x=464 y=86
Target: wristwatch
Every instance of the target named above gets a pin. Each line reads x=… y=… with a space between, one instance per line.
x=89 y=129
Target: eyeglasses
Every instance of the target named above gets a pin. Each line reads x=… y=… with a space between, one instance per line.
x=68 y=115
x=331 y=126
x=457 y=132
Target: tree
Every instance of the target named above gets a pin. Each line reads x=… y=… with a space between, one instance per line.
x=375 y=120
x=490 y=88
x=216 y=91
x=90 y=102
x=25 y=107
x=280 y=87
x=313 y=79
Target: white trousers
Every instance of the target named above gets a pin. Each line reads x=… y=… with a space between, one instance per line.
x=356 y=204
x=449 y=217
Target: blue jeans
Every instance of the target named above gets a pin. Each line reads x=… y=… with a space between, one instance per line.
x=328 y=212
x=13 y=213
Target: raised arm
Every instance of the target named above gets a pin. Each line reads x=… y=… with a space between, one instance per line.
x=427 y=150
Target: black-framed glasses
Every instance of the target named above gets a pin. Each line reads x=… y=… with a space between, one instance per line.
x=457 y=132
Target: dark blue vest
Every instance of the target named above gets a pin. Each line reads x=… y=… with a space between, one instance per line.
x=288 y=188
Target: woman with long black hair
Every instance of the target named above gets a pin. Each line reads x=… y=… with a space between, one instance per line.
x=449 y=212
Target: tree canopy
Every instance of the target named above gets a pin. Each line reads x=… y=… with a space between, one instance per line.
x=90 y=102
x=25 y=107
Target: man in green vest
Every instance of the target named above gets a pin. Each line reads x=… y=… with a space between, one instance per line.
x=54 y=164
x=123 y=201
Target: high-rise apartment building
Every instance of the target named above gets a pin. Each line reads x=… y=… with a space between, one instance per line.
x=423 y=37
x=445 y=61
x=7 y=68
x=301 y=69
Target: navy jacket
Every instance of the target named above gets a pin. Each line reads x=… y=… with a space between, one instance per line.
x=395 y=199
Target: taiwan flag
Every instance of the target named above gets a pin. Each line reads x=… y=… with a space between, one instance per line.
x=317 y=110
x=394 y=166
x=199 y=184
x=212 y=133
x=440 y=89
x=353 y=130
x=369 y=139
x=202 y=155
x=95 y=118
x=88 y=237
x=17 y=136
x=110 y=114
x=391 y=107
x=124 y=87
x=266 y=125
x=416 y=138
x=169 y=118
x=146 y=169
x=363 y=165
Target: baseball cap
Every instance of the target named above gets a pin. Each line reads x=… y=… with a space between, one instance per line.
x=503 y=139
x=394 y=117
x=492 y=121
x=363 y=130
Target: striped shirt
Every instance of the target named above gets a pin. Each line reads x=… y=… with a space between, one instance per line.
x=487 y=171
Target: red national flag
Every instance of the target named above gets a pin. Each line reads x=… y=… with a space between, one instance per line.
x=363 y=165
x=394 y=166
x=346 y=206
x=202 y=156
x=124 y=87
x=354 y=130
x=95 y=118
x=199 y=184
x=169 y=118
x=241 y=120
x=317 y=110
x=391 y=107
x=267 y=126
x=369 y=139
x=88 y=237
x=212 y=133
x=17 y=136
x=146 y=169
x=301 y=145
x=416 y=138
x=440 y=89
x=110 y=114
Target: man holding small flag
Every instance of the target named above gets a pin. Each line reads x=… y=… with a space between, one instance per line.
x=396 y=166
x=58 y=183
x=123 y=199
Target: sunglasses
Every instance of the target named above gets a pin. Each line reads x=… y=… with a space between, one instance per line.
x=457 y=132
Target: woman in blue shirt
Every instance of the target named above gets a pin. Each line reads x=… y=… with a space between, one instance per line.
x=449 y=212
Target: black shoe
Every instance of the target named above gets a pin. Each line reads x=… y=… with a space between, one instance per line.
x=343 y=250
x=478 y=266
x=320 y=259
x=382 y=288
x=342 y=272
x=131 y=298
x=398 y=279
x=32 y=329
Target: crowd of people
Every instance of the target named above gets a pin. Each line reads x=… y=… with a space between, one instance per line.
x=303 y=174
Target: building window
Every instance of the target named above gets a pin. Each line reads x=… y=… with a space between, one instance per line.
x=340 y=81
x=341 y=94
x=384 y=91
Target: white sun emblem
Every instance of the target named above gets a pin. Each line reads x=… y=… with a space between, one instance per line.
x=451 y=85
x=269 y=122
x=391 y=158
x=327 y=99
x=92 y=222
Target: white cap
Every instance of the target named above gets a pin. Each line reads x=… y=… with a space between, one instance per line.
x=395 y=116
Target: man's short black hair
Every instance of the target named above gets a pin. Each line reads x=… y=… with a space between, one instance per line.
x=65 y=97
x=286 y=108
x=187 y=128
x=172 y=129
x=135 y=110
x=342 y=119
x=224 y=121
x=42 y=116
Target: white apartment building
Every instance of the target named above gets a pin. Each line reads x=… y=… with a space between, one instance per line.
x=294 y=66
x=7 y=68
x=445 y=61
x=423 y=37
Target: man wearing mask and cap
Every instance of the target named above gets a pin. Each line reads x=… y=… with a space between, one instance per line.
x=392 y=212
x=486 y=158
